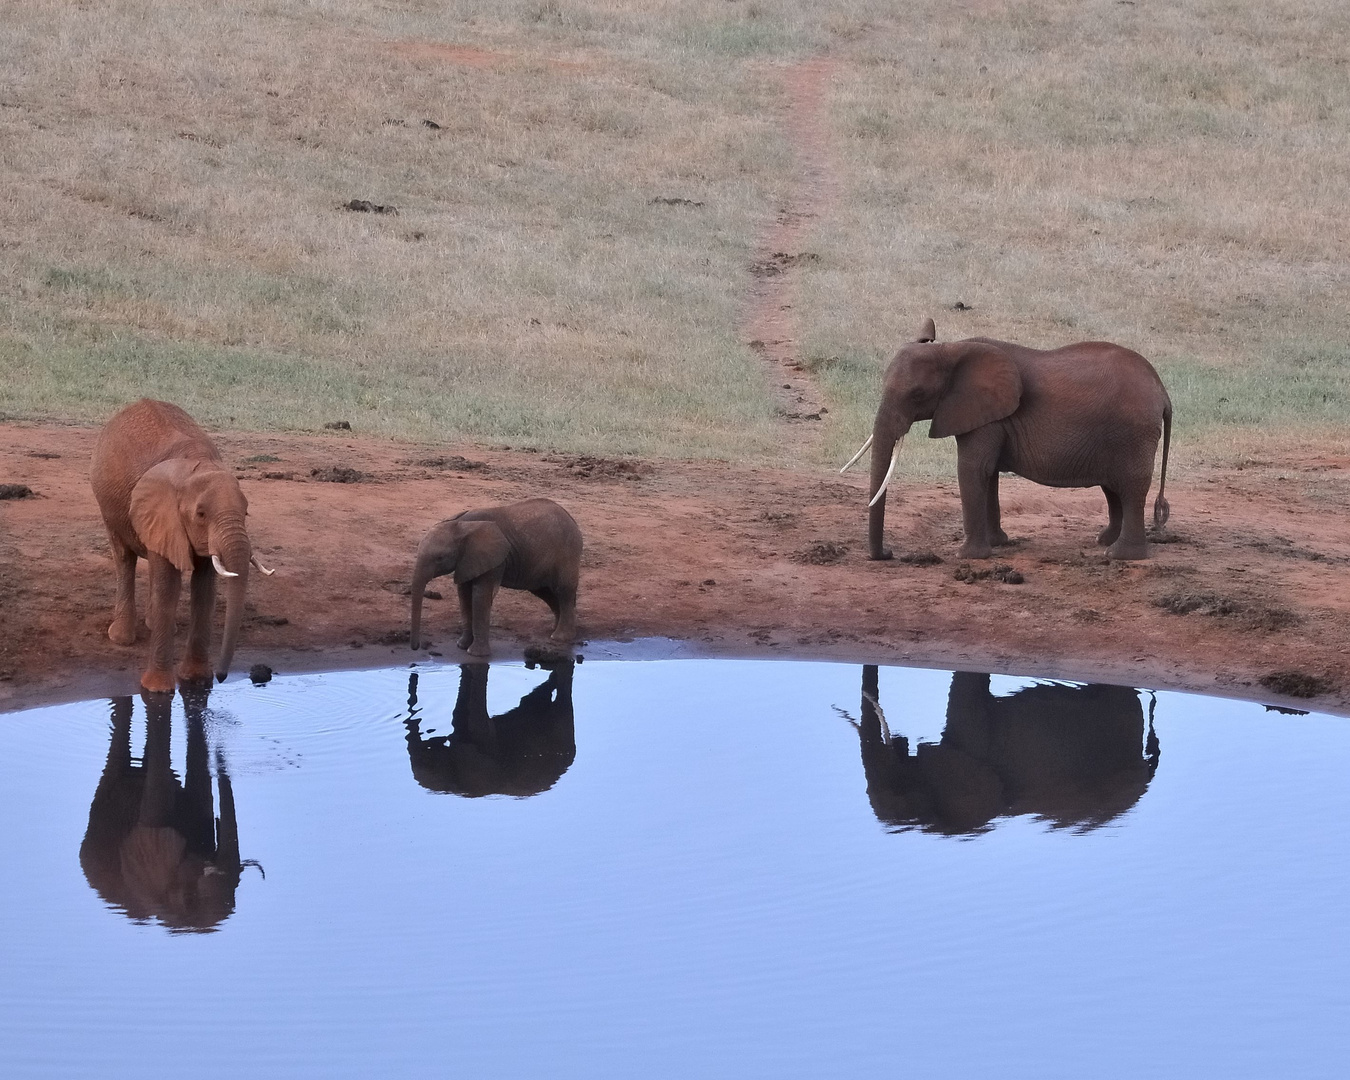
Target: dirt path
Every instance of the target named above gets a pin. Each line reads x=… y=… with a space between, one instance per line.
x=770 y=324
x=734 y=560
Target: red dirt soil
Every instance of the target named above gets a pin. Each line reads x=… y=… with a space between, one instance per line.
x=733 y=560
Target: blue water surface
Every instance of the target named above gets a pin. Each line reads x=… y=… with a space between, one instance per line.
x=674 y=869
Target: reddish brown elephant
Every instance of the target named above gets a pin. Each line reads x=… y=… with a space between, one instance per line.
x=1085 y=415
x=168 y=498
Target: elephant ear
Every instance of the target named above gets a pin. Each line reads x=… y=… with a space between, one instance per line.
x=156 y=514
x=485 y=548
x=984 y=387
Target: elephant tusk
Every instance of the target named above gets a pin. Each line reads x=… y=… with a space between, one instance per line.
x=881 y=717
x=220 y=567
x=895 y=457
x=254 y=560
x=861 y=451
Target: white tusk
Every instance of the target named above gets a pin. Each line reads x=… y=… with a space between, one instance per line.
x=220 y=567
x=895 y=456
x=254 y=560
x=881 y=716
x=862 y=450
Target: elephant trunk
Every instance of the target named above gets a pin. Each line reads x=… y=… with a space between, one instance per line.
x=886 y=442
x=423 y=571
x=232 y=546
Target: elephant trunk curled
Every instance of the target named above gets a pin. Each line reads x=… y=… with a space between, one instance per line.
x=230 y=543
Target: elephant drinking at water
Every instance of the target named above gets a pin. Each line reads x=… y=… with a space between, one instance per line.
x=1085 y=415
x=1075 y=756
x=168 y=497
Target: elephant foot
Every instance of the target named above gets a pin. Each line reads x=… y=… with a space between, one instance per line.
x=1000 y=539
x=1108 y=536
x=881 y=554
x=478 y=650
x=158 y=681
x=1127 y=552
x=122 y=633
x=464 y=641
x=971 y=550
x=194 y=671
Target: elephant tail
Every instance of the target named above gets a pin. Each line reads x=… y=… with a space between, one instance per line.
x=1161 y=511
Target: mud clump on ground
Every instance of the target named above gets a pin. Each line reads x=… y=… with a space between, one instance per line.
x=15 y=491
x=781 y=261
x=588 y=467
x=1255 y=614
x=1297 y=684
x=448 y=461
x=821 y=553
x=920 y=558
x=338 y=474
x=998 y=572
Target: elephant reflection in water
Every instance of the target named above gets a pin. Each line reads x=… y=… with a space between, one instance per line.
x=521 y=752
x=154 y=846
x=1075 y=756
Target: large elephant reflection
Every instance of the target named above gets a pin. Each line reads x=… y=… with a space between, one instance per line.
x=1075 y=756
x=521 y=752
x=154 y=846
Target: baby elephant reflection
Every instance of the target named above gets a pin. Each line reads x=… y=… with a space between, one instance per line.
x=1075 y=756
x=154 y=847
x=521 y=752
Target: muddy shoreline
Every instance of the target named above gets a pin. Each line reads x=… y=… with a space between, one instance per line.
x=716 y=559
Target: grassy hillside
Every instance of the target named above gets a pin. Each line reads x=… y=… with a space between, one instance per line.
x=1168 y=176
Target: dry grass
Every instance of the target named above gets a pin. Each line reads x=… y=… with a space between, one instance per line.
x=1168 y=176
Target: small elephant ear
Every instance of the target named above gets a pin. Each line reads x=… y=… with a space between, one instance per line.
x=984 y=387
x=157 y=516
x=485 y=549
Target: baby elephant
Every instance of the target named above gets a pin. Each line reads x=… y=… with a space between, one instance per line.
x=532 y=545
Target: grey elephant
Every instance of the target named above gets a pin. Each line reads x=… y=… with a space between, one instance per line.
x=1085 y=415
x=154 y=847
x=1074 y=756
x=521 y=752
x=534 y=545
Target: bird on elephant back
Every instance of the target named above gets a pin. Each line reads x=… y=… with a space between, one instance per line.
x=154 y=847
x=521 y=752
x=1073 y=756
x=167 y=497
x=1085 y=415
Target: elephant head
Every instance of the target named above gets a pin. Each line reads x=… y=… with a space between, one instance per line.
x=190 y=511
x=521 y=752
x=468 y=549
x=959 y=386
x=1075 y=756
x=154 y=848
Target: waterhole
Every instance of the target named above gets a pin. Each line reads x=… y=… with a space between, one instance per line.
x=673 y=869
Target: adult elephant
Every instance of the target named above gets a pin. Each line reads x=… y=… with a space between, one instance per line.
x=168 y=497
x=1075 y=756
x=154 y=847
x=521 y=752
x=1085 y=415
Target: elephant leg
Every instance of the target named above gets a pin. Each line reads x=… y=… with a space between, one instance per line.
x=196 y=666
x=122 y=630
x=1132 y=543
x=465 y=614
x=483 y=590
x=974 y=484
x=166 y=582
x=565 y=608
x=1111 y=533
x=997 y=537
